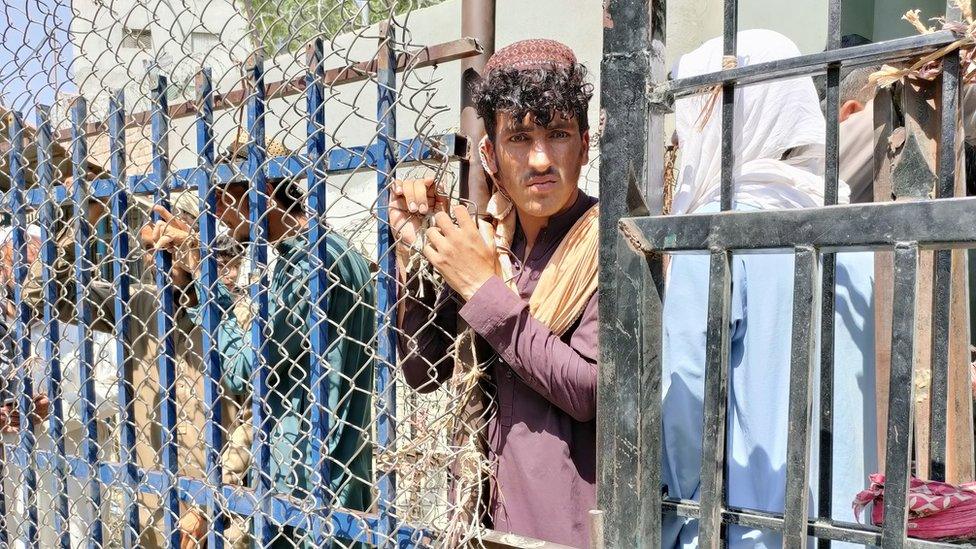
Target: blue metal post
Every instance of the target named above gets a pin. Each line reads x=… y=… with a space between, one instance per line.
x=52 y=332
x=4 y=395
x=317 y=166
x=4 y=539
x=25 y=383
x=258 y=207
x=86 y=352
x=211 y=311
x=120 y=241
x=165 y=332
x=385 y=280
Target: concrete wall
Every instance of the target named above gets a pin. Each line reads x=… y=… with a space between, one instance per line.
x=888 y=13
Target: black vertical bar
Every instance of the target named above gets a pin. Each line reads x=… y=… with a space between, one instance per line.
x=942 y=263
x=713 y=482
x=802 y=353
x=86 y=352
x=25 y=381
x=631 y=151
x=52 y=328
x=651 y=305
x=900 y=396
x=213 y=433
x=730 y=30
x=829 y=276
x=165 y=332
x=123 y=319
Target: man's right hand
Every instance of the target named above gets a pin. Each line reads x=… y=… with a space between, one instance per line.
x=411 y=201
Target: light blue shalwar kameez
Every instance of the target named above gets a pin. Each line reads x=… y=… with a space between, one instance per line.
x=761 y=324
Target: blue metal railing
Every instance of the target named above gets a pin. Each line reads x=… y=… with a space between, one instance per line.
x=269 y=510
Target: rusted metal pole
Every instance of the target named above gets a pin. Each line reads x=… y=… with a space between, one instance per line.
x=478 y=22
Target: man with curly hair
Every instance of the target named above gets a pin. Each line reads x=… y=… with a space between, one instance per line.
x=525 y=282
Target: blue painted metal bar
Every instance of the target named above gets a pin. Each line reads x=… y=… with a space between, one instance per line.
x=4 y=395
x=25 y=384
x=258 y=206
x=4 y=539
x=52 y=331
x=83 y=312
x=129 y=478
x=165 y=332
x=317 y=163
x=409 y=151
x=386 y=278
x=213 y=434
x=284 y=511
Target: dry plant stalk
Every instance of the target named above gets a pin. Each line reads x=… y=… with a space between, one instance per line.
x=929 y=66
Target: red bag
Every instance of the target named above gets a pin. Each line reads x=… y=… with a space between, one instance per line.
x=936 y=510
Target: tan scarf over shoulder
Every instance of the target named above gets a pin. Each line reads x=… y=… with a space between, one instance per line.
x=568 y=280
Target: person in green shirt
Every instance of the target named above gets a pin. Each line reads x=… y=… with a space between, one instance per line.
x=348 y=363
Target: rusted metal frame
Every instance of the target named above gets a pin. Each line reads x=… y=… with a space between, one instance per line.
x=714 y=484
x=492 y=539
x=950 y=449
x=900 y=397
x=829 y=276
x=884 y=128
x=806 y=316
x=478 y=22
x=934 y=224
x=631 y=183
x=834 y=530
x=730 y=33
x=908 y=163
x=805 y=65
x=356 y=72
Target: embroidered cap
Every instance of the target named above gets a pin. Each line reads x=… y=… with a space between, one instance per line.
x=531 y=54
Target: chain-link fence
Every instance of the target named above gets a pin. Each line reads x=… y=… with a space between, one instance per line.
x=200 y=309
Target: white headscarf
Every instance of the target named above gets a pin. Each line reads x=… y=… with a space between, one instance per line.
x=771 y=118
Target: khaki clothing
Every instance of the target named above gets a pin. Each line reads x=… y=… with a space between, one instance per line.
x=144 y=349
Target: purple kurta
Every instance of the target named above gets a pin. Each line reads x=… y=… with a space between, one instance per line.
x=544 y=434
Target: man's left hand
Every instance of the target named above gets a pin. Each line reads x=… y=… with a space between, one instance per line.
x=459 y=252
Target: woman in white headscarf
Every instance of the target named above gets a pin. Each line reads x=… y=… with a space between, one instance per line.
x=779 y=162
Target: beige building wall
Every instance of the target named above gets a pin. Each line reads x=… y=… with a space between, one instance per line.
x=430 y=97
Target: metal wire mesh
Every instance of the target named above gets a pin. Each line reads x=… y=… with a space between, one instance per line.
x=248 y=372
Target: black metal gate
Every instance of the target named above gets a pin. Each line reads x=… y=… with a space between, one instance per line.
x=635 y=98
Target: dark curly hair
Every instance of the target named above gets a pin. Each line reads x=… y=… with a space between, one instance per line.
x=543 y=92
